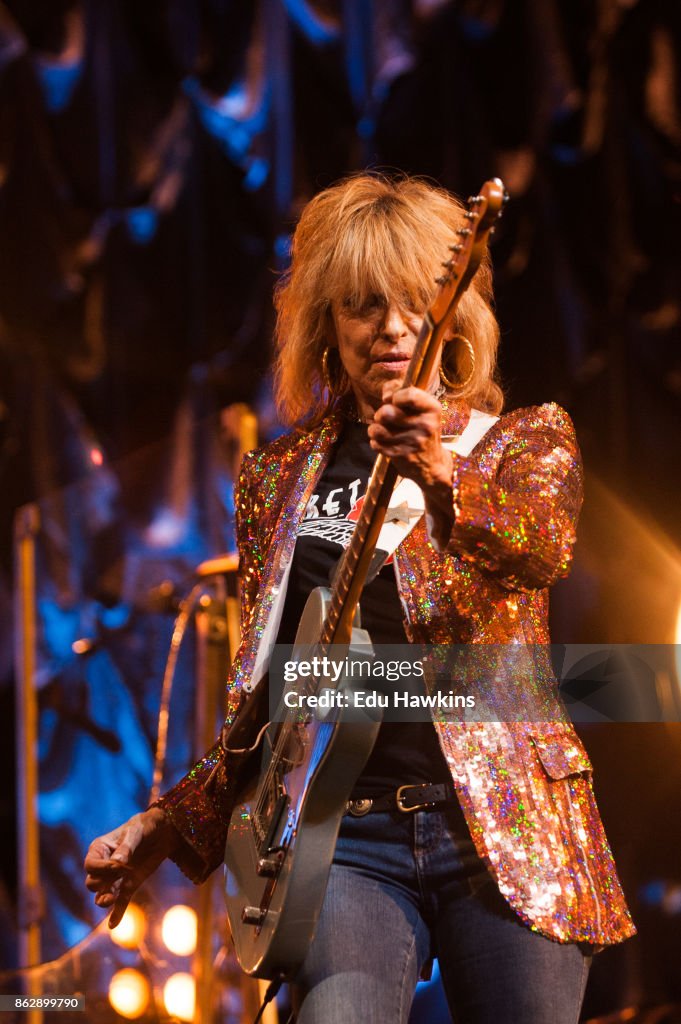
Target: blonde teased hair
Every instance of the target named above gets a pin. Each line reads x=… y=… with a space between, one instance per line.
x=372 y=235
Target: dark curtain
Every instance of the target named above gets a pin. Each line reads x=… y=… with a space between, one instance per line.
x=153 y=159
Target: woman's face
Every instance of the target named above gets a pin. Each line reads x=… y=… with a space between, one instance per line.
x=375 y=344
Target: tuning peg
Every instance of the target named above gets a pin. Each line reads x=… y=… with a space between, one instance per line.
x=469 y=215
x=441 y=280
x=456 y=247
x=474 y=200
x=464 y=232
x=499 y=183
x=447 y=264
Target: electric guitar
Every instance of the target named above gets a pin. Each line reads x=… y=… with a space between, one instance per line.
x=282 y=834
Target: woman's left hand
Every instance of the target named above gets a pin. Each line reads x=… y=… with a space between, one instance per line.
x=407 y=429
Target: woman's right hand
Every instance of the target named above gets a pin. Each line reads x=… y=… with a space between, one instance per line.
x=120 y=861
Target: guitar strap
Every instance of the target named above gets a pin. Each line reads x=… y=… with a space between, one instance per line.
x=407 y=504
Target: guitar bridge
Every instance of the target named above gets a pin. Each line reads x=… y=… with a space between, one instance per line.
x=269 y=867
x=271 y=842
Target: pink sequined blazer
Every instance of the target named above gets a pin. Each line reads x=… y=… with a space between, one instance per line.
x=525 y=787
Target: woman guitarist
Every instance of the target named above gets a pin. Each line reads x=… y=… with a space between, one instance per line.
x=492 y=857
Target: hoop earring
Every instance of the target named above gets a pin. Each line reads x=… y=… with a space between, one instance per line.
x=326 y=376
x=460 y=385
x=334 y=387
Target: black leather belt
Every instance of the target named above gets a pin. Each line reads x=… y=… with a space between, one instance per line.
x=407 y=799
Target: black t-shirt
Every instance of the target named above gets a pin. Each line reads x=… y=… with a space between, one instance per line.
x=404 y=753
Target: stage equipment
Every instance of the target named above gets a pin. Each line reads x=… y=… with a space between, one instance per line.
x=130 y=931
x=179 y=996
x=27 y=524
x=179 y=930
x=129 y=993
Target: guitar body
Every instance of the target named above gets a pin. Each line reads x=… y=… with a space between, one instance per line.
x=282 y=834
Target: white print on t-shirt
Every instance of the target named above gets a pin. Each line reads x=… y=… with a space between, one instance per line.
x=331 y=506
x=335 y=531
x=327 y=520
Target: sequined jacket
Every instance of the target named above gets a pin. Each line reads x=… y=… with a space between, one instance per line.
x=525 y=787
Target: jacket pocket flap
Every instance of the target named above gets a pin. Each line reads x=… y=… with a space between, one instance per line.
x=561 y=758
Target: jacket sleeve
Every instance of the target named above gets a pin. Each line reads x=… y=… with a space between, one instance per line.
x=518 y=522
x=251 y=559
x=200 y=804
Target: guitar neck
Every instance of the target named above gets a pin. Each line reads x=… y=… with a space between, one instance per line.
x=356 y=560
x=354 y=565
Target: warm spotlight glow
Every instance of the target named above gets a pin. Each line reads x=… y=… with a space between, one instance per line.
x=179 y=930
x=129 y=993
x=179 y=996
x=96 y=457
x=130 y=931
x=677 y=643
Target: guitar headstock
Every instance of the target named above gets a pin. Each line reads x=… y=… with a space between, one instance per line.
x=481 y=215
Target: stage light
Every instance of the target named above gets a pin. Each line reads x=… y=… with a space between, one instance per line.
x=129 y=993
x=677 y=645
x=130 y=931
x=178 y=930
x=179 y=996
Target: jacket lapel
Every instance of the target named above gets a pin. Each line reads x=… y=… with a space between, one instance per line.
x=306 y=469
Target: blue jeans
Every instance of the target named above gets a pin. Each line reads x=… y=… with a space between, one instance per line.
x=405 y=887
